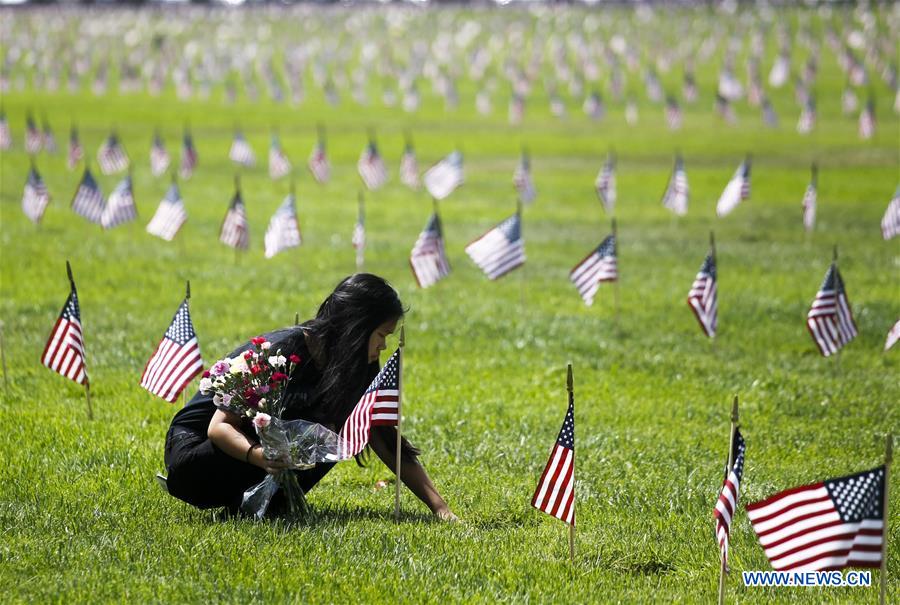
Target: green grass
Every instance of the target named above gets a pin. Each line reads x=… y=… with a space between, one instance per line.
x=83 y=521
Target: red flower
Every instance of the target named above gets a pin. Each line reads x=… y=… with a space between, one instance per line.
x=279 y=377
x=255 y=370
x=248 y=355
x=206 y=374
x=258 y=340
x=294 y=359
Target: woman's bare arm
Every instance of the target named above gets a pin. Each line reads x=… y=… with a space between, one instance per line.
x=413 y=474
x=226 y=434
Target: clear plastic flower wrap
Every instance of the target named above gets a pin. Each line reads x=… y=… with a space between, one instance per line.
x=301 y=445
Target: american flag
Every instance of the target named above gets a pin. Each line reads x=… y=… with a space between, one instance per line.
x=241 y=153
x=35 y=197
x=318 y=163
x=371 y=167
x=597 y=267
x=807 y=120
x=890 y=222
x=516 y=109
x=728 y=497
x=673 y=113
x=64 y=353
x=523 y=182
x=555 y=493
x=169 y=217
x=867 y=121
x=830 y=525
x=677 y=191
x=5 y=134
x=88 y=200
x=725 y=110
x=76 y=152
x=159 y=157
x=358 y=239
x=409 y=168
x=830 y=320
x=283 y=231
x=33 y=138
x=443 y=178
x=770 y=118
x=501 y=249
x=737 y=189
x=47 y=139
x=379 y=406
x=593 y=106
x=120 y=207
x=428 y=259
x=849 y=101
x=176 y=359
x=111 y=156
x=893 y=336
x=279 y=165
x=809 y=201
x=188 y=156
x=234 y=231
x=704 y=296
x=606 y=184
x=689 y=87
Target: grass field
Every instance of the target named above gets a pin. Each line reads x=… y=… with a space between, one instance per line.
x=83 y=522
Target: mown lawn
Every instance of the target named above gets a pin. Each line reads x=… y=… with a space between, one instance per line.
x=83 y=522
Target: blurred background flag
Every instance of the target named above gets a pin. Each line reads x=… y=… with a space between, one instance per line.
x=170 y=215
x=241 y=153
x=409 y=167
x=677 y=191
x=33 y=138
x=111 y=156
x=428 y=258
x=737 y=189
x=88 y=201
x=522 y=180
x=76 y=151
x=234 y=231
x=443 y=178
x=48 y=141
x=35 y=197
x=703 y=297
x=283 y=231
x=120 y=207
x=605 y=184
x=188 y=156
x=279 y=165
x=893 y=336
x=159 y=157
x=501 y=249
x=890 y=222
x=597 y=267
x=371 y=167
x=318 y=160
x=5 y=134
x=809 y=200
x=830 y=320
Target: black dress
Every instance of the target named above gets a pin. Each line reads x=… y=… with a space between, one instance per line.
x=203 y=475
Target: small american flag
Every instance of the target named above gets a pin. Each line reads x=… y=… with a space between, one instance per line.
x=379 y=406
x=64 y=353
x=770 y=118
x=88 y=200
x=555 y=493
x=890 y=222
x=283 y=231
x=867 y=121
x=5 y=134
x=727 y=504
x=159 y=157
x=677 y=191
x=893 y=336
x=234 y=231
x=807 y=120
x=358 y=239
x=689 y=87
x=737 y=189
x=48 y=140
x=443 y=178
x=516 y=109
x=371 y=167
x=176 y=360
x=35 y=197
x=605 y=184
x=523 y=182
x=703 y=297
x=111 y=156
x=318 y=163
x=76 y=151
x=241 y=153
x=188 y=156
x=409 y=168
x=169 y=217
x=33 y=138
x=849 y=101
x=725 y=110
x=120 y=207
x=501 y=249
x=830 y=320
x=673 y=113
x=279 y=165
x=809 y=201
x=593 y=106
x=834 y=524
x=597 y=267
x=428 y=259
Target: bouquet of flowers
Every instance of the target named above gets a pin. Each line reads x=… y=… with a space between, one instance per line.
x=252 y=385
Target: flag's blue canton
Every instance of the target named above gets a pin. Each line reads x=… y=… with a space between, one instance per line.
x=607 y=247
x=833 y=281
x=709 y=266
x=173 y=195
x=181 y=330
x=738 y=455
x=237 y=201
x=388 y=377
x=859 y=496
x=434 y=224
x=71 y=310
x=88 y=181
x=567 y=432
x=511 y=228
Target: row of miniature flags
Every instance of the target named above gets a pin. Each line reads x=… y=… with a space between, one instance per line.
x=832 y=524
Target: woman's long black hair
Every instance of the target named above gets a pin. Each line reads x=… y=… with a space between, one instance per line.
x=339 y=337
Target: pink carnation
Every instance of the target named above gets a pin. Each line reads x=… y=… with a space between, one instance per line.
x=261 y=421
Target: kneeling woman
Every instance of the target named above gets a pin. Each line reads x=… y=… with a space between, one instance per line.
x=213 y=456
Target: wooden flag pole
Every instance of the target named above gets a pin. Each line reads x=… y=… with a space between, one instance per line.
x=712 y=251
x=187 y=296
x=888 y=458
x=3 y=360
x=837 y=356
x=571 y=394
x=723 y=567
x=524 y=265
x=87 y=381
x=399 y=422
x=616 y=283
x=237 y=191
